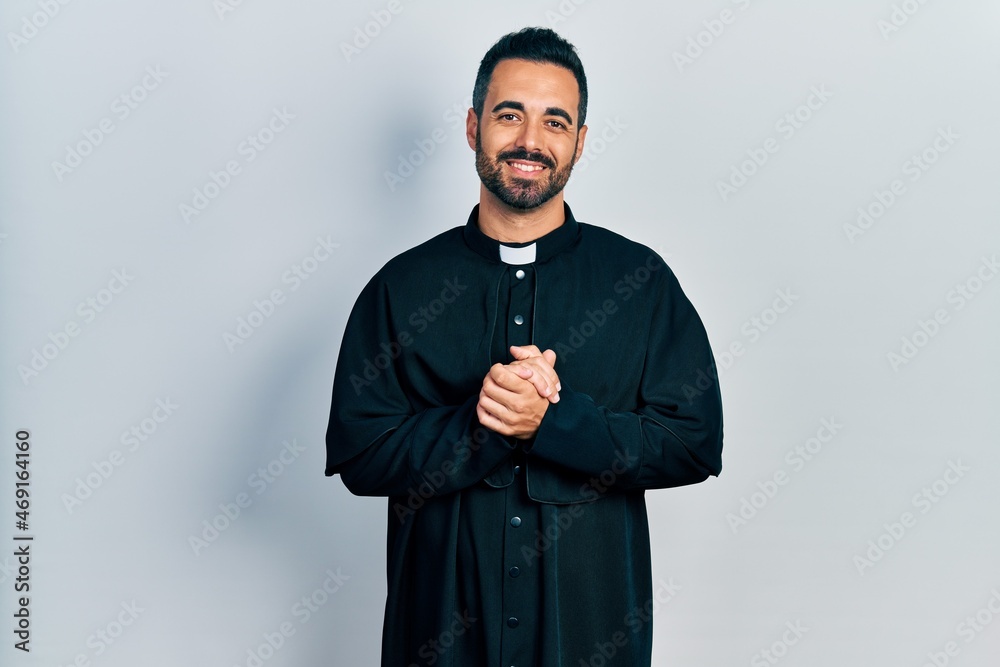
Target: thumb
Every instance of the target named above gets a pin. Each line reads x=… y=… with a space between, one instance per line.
x=550 y=356
x=519 y=352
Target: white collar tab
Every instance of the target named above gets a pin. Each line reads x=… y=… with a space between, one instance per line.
x=517 y=255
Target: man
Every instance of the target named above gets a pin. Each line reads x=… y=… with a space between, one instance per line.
x=515 y=476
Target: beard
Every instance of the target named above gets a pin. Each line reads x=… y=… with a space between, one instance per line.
x=521 y=193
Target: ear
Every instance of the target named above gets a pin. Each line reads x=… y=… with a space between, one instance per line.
x=471 y=125
x=580 y=138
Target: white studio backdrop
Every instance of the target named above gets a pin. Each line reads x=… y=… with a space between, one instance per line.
x=192 y=194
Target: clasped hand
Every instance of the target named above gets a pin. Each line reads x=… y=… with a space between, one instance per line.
x=515 y=396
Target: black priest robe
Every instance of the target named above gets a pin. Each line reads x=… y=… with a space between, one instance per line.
x=522 y=553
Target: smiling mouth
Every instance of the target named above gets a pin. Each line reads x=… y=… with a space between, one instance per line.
x=525 y=167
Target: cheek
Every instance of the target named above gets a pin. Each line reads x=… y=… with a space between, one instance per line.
x=500 y=139
x=492 y=147
x=492 y=139
x=565 y=154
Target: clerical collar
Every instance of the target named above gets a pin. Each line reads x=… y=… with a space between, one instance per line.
x=539 y=250
x=511 y=254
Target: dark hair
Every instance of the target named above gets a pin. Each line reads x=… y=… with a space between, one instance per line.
x=539 y=45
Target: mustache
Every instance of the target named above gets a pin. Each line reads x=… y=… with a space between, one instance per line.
x=523 y=154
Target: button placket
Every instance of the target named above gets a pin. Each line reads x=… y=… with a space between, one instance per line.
x=520 y=579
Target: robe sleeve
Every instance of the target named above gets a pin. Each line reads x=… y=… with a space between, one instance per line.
x=376 y=440
x=673 y=437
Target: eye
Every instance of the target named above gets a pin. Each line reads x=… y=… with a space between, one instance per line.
x=557 y=124
x=508 y=116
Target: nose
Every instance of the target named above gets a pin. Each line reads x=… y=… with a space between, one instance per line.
x=529 y=137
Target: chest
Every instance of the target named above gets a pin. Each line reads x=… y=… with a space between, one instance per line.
x=597 y=323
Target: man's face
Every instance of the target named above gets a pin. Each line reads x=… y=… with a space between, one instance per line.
x=527 y=140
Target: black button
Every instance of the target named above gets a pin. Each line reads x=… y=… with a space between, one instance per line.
x=516 y=521
x=512 y=622
x=517 y=469
x=514 y=571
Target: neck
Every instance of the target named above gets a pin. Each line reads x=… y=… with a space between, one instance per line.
x=509 y=225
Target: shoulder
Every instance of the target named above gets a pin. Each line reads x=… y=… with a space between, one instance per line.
x=443 y=264
x=439 y=250
x=621 y=253
x=596 y=236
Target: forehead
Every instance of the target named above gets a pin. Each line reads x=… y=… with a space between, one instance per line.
x=531 y=83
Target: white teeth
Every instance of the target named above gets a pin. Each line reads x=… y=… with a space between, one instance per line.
x=526 y=167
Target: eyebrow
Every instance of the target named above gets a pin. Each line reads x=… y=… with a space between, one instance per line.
x=551 y=111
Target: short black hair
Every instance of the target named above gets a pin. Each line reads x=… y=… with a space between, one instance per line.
x=539 y=45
